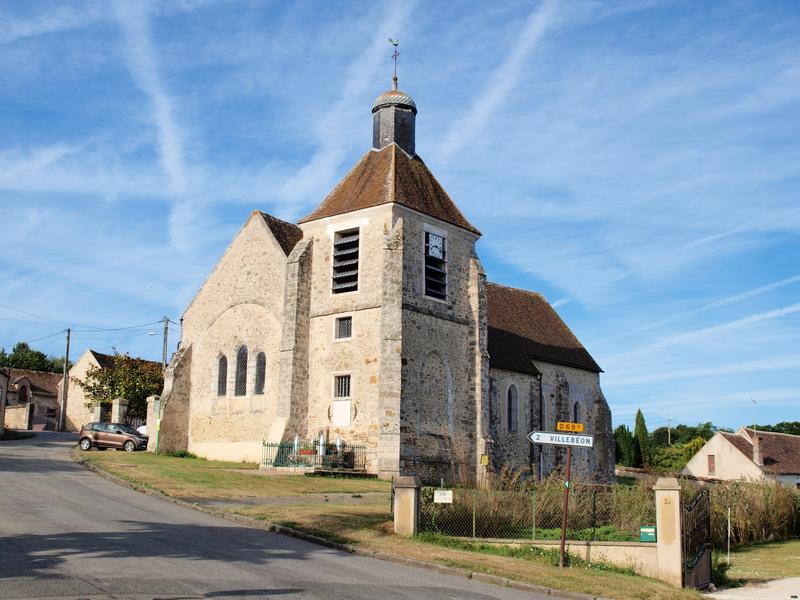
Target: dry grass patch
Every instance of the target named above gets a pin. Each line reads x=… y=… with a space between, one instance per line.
x=766 y=561
x=198 y=478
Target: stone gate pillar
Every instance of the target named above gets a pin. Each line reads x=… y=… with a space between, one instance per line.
x=118 y=408
x=668 y=530
x=406 y=505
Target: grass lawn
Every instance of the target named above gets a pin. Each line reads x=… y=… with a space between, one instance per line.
x=766 y=561
x=357 y=511
x=194 y=477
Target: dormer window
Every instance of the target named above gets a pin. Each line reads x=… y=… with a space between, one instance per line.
x=435 y=266
x=345 y=261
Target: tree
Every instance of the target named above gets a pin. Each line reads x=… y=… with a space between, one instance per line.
x=22 y=356
x=692 y=448
x=791 y=427
x=131 y=378
x=623 y=442
x=641 y=442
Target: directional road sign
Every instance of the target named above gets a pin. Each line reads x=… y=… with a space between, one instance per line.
x=569 y=426
x=561 y=439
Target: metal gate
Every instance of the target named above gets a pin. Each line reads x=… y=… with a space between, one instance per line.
x=696 y=516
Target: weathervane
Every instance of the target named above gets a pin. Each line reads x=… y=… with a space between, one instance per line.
x=395 y=55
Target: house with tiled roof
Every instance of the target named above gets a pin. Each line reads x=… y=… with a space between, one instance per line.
x=39 y=388
x=371 y=321
x=748 y=454
x=76 y=411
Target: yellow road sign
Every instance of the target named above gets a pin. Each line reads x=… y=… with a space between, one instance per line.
x=568 y=426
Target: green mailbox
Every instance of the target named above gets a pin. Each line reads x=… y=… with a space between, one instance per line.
x=647 y=533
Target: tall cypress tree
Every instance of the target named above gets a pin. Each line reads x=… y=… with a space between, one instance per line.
x=623 y=443
x=641 y=442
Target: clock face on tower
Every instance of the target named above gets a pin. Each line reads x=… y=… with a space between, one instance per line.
x=436 y=246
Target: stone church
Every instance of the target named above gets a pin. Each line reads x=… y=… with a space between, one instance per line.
x=371 y=320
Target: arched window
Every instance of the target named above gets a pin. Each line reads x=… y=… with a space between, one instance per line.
x=222 y=376
x=261 y=372
x=576 y=413
x=241 y=372
x=512 y=413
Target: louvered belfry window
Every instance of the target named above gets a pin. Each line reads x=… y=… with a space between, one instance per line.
x=435 y=266
x=345 y=261
x=222 y=376
x=341 y=386
x=241 y=371
x=261 y=372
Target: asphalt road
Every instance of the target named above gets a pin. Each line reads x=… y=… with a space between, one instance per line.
x=67 y=533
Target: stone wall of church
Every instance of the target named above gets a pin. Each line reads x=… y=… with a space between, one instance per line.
x=241 y=303
x=460 y=248
x=360 y=356
x=437 y=416
x=510 y=446
x=563 y=388
x=251 y=271
x=233 y=426
x=440 y=387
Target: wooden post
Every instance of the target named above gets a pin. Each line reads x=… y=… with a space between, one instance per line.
x=566 y=507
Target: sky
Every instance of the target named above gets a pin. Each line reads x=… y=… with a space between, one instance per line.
x=637 y=162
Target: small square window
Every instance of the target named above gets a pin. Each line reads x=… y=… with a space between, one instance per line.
x=341 y=386
x=344 y=328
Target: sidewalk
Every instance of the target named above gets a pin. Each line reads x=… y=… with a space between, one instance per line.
x=778 y=589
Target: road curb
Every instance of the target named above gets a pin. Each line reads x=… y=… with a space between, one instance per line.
x=350 y=549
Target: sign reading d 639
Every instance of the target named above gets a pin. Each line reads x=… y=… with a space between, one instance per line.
x=568 y=426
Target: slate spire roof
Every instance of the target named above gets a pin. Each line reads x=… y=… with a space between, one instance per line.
x=391 y=175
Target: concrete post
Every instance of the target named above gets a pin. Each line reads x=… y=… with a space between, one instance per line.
x=668 y=530
x=406 y=505
x=153 y=422
x=118 y=408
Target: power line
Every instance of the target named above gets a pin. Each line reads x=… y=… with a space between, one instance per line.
x=30 y=314
x=45 y=337
x=99 y=330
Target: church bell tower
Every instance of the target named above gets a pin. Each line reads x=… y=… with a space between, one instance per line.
x=393 y=117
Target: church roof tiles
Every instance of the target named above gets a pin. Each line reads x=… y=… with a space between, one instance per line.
x=391 y=175
x=523 y=327
x=287 y=234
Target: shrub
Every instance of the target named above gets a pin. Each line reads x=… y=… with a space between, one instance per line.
x=182 y=454
x=761 y=511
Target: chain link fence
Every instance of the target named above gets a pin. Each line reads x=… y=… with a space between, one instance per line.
x=596 y=512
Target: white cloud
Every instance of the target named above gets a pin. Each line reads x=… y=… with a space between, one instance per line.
x=501 y=83
x=144 y=66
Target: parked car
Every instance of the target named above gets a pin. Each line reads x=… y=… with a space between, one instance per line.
x=111 y=435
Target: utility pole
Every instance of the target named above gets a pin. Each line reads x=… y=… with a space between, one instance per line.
x=669 y=432
x=64 y=385
x=165 y=320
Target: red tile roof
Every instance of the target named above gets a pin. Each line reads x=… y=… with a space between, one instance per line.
x=524 y=327
x=391 y=175
x=287 y=234
x=780 y=452
x=105 y=360
x=41 y=382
